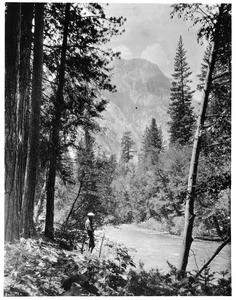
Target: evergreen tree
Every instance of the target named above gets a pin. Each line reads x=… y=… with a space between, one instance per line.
x=12 y=137
x=27 y=14
x=106 y=167
x=33 y=140
x=56 y=125
x=152 y=143
x=127 y=143
x=216 y=28
x=180 y=108
x=214 y=182
x=90 y=171
x=80 y=69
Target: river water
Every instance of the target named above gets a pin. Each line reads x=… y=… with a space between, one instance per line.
x=155 y=249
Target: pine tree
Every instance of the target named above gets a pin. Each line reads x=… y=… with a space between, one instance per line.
x=80 y=67
x=152 y=142
x=180 y=108
x=126 y=147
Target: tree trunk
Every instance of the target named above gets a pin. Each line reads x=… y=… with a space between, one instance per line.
x=25 y=82
x=55 y=140
x=27 y=224
x=12 y=59
x=73 y=205
x=40 y=204
x=189 y=209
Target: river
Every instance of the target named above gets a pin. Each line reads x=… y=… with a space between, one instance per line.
x=155 y=249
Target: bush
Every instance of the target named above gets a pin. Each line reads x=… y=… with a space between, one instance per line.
x=152 y=224
x=172 y=226
x=177 y=227
x=38 y=268
x=155 y=283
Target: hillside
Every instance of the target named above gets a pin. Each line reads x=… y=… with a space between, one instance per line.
x=142 y=94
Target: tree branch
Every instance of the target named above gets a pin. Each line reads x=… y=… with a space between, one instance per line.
x=73 y=205
x=220 y=76
x=213 y=256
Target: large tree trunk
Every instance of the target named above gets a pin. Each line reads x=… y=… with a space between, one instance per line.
x=189 y=209
x=25 y=83
x=12 y=59
x=55 y=140
x=27 y=224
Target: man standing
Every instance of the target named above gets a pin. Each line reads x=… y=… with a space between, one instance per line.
x=90 y=230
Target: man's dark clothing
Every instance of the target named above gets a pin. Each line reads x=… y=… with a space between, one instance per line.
x=90 y=231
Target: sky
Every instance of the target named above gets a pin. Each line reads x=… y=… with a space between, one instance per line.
x=151 y=34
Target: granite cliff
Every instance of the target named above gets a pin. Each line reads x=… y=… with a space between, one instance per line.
x=142 y=94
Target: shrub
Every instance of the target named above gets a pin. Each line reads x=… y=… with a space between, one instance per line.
x=152 y=224
x=177 y=227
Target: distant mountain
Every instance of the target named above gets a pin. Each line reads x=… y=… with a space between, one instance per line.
x=143 y=93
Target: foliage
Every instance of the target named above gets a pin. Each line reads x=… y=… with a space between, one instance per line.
x=40 y=268
x=152 y=143
x=214 y=32
x=203 y=16
x=136 y=184
x=176 y=225
x=33 y=268
x=127 y=147
x=106 y=166
x=153 y=224
x=91 y=190
x=180 y=107
x=214 y=184
x=154 y=190
x=76 y=69
x=123 y=208
x=86 y=72
x=156 y=283
x=172 y=174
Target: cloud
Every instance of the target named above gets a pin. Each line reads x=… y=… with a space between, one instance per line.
x=125 y=51
x=156 y=54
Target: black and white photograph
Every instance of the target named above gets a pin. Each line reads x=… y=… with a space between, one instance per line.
x=117 y=148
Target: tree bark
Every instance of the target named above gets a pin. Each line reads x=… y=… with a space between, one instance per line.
x=12 y=59
x=189 y=209
x=25 y=85
x=40 y=204
x=55 y=139
x=27 y=224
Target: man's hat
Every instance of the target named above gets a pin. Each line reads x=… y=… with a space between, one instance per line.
x=90 y=214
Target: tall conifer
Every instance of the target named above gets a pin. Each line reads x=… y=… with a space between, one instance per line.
x=152 y=142
x=180 y=108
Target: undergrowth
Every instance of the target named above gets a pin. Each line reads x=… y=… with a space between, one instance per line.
x=39 y=268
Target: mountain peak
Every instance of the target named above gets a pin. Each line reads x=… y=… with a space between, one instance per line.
x=141 y=75
x=130 y=65
x=143 y=93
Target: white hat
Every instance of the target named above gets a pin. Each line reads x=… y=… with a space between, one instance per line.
x=90 y=214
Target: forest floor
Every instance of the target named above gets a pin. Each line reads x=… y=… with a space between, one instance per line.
x=37 y=267
x=40 y=268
